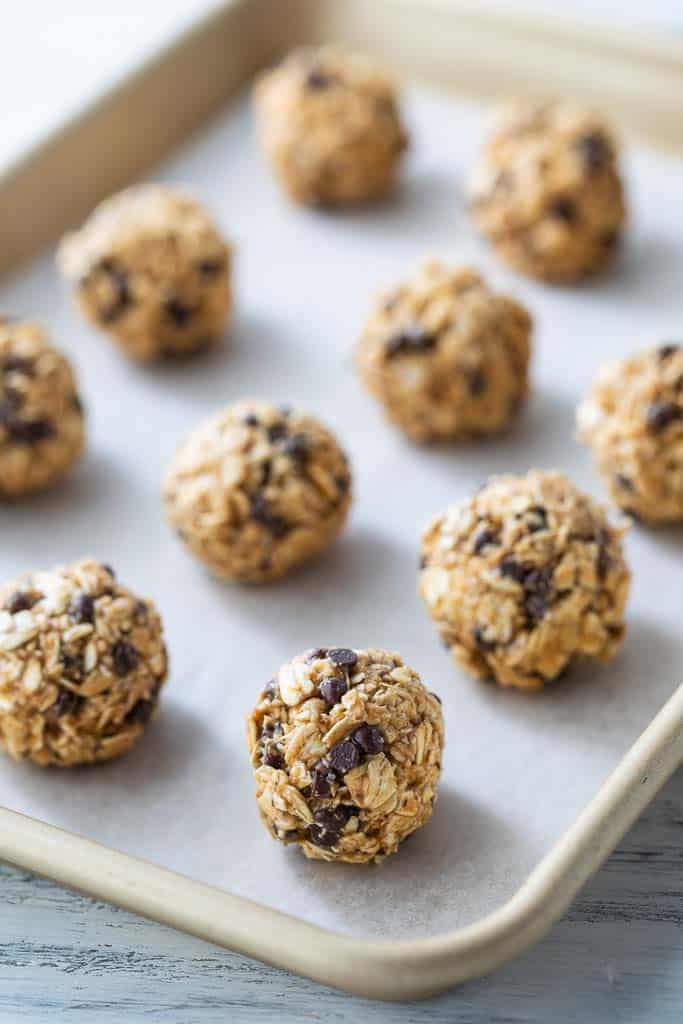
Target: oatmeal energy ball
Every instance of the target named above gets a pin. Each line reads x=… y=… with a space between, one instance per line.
x=547 y=192
x=523 y=578
x=346 y=748
x=41 y=415
x=329 y=124
x=256 y=490
x=446 y=356
x=150 y=267
x=82 y=660
x=632 y=420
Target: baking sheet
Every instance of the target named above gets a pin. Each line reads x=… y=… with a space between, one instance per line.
x=517 y=768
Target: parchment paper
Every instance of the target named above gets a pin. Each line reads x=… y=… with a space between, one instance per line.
x=517 y=768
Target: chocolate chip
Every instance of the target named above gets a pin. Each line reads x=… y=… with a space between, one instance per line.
x=272 y=756
x=118 y=283
x=333 y=689
x=483 y=538
x=538 y=588
x=271 y=689
x=262 y=513
x=480 y=639
x=343 y=656
x=661 y=414
x=210 y=268
x=327 y=826
x=623 y=482
x=344 y=756
x=83 y=608
x=513 y=569
x=539 y=518
x=125 y=657
x=276 y=432
x=266 y=470
x=665 y=352
x=67 y=703
x=20 y=601
x=141 y=611
x=564 y=209
x=594 y=150
x=177 y=310
x=18 y=364
x=141 y=712
x=319 y=79
x=603 y=560
x=322 y=779
x=317 y=652
x=368 y=738
x=72 y=665
x=250 y=420
x=26 y=431
x=108 y=568
x=410 y=338
x=297 y=448
x=476 y=382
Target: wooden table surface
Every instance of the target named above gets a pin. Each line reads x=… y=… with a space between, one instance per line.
x=616 y=958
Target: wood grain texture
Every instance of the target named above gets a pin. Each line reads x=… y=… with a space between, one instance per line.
x=617 y=957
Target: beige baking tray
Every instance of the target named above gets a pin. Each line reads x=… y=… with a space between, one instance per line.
x=461 y=46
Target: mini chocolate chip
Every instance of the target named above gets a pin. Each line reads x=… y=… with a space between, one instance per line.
x=67 y=703
x=593 y=149
x=262 y=513
x=276 y=432
x=27 y=431
x=343 y=756
x=72 y=665
x=271 y=689
x=476 y=382
x=661 y=414
x=83 y=608
x=272 y=755
x=119 y=285
x=563 y=208
x=342 y=656
x=333 y=689
x=141 y=712
x=18 y=364
x=343 y=482
x=410 y=338
x=483 y=538
x=141 y=611
x=178 y=311
x=108 y=568
x=266 y=470
x=250 y=420
x=20 y=601
x=623 y=482
x=538 y=588
x=319 y=79
x=210 y=268
x=480 y=639
x=513 y=569
x=602 y=560
x=125 y=657
x=665 y=352
x=327 y=826
x=368 y=738
x=322 y=779
x=297 y=448
x=317 y=652
x=539 y=518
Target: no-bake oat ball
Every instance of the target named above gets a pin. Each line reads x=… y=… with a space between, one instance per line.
x=547 y=191
x=150 y=268
x=446 y=356
x=525 y=577
x=346 y=748
x=632 y=419
x=256 y=490
x=82 y=661
x=329 y=123
x=41 y=415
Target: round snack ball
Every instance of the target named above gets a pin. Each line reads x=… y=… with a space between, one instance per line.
x=41 y=415
x=151 y=268
x=632 y=420
x=547 y=192
x=329 y=123
x=346 y=749
x=82 y=660
x=523 y=578
x=447 y=357
x=256 y=490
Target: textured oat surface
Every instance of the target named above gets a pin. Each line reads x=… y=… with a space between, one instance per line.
x=445 y=355
x=525 y=577
x=257 y=489
x=632 y=419
x=329 y=123
x=346 y=747
x=150 y=267
x=41 y=414
x=82 y=660
x=547 y=191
